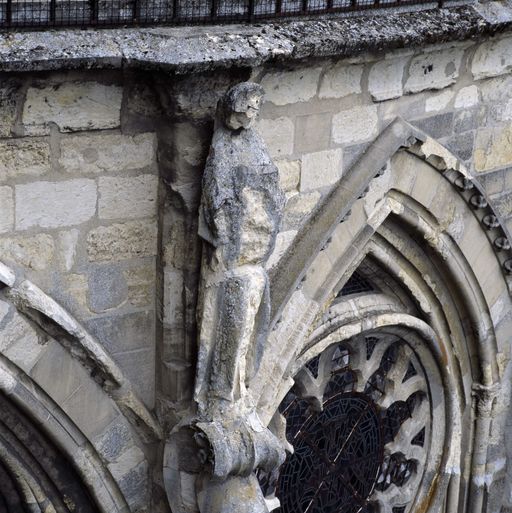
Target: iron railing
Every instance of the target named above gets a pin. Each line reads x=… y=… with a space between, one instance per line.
x=87 y=13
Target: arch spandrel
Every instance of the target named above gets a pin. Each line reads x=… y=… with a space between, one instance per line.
x=73 y=397
x=427 y=223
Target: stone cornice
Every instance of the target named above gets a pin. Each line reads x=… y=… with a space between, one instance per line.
x=197 y=49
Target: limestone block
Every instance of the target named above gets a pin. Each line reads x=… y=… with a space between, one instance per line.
x=320 y=169
x=4 y=310
x=32 y=252
x=278 y=135
x=139 y=368
x=355 y=125
x=24 y=157
x=56 y=361
x=436 y=126
x=341 y=80
x=127 y=197
x=493 y=148
x=6 y=209
x=133 y=239
x=492 y=58
x=90 y=408
x=76 y=287
x=173 y=296
x=72 y=106
x=298 y=209
x=106 y=153
x=467 y=97
x=284 y=87
x=386 y=79
x=283 y=241
x=114 y=439
x=25 y=351
x=55 y=204
x=439 y=101
x=134 y=485
x=127 y=332
x=67 y=247
x=20 y=343
x=434 y=70
x=126 y=461
x=107 y=288
x=312 y=132
x=289 y=174
x=8 y=105
x=141 y=285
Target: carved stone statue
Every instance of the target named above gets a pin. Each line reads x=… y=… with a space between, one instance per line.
x=240 y=213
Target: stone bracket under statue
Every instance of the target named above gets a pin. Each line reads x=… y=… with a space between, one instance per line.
x=211 y=458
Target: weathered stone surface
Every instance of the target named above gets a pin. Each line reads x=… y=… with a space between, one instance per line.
x=55 y=204
x=4 y=310
x=106 y=153
x=9 y=100
x=461 y=145
x=127 y=197
x=67 y=248
x=298 y=209
x=139 y=368
x=247 y=45
x=320 y=169
x=72 y=106
x=439 y=101
x=120 y=241
x=436 y=126
x=289 y=174
x=107 y=288
x=6 y=210
x=121 y=333
x=173 y=297
x=355 y=125
x=385 y=81
x=493 y=148
x=283 y=241
x=32 y=252
x=492 y=58
x=284 y=87
x=466 y=119
x=135 y=483
x=141 y=285
x=312 y=132
x=20 y=343
x=467 y=97
x=75 y=287
x=114 y=439
x=23 y=157
x=434 y=70
x=278 y=134
x=341 y=80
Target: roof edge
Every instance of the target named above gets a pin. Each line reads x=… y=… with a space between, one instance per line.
x=186 y=50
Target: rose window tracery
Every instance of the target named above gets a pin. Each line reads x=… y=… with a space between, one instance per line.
x=358 y=418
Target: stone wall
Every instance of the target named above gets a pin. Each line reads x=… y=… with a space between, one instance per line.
x=78 y=206
x=101 y=173
x=319 y=118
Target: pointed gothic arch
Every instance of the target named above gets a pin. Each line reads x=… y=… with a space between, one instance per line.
x=72 y=428
x=410 y=209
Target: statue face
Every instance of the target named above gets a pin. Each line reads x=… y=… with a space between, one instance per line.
x=243 y=106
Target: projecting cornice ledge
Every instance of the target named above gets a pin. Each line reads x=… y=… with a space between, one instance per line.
x=196 y=49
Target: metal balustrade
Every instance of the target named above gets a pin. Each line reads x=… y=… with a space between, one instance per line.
x=87 y=13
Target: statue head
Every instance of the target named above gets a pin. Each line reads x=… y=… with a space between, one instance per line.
x=241 y=104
